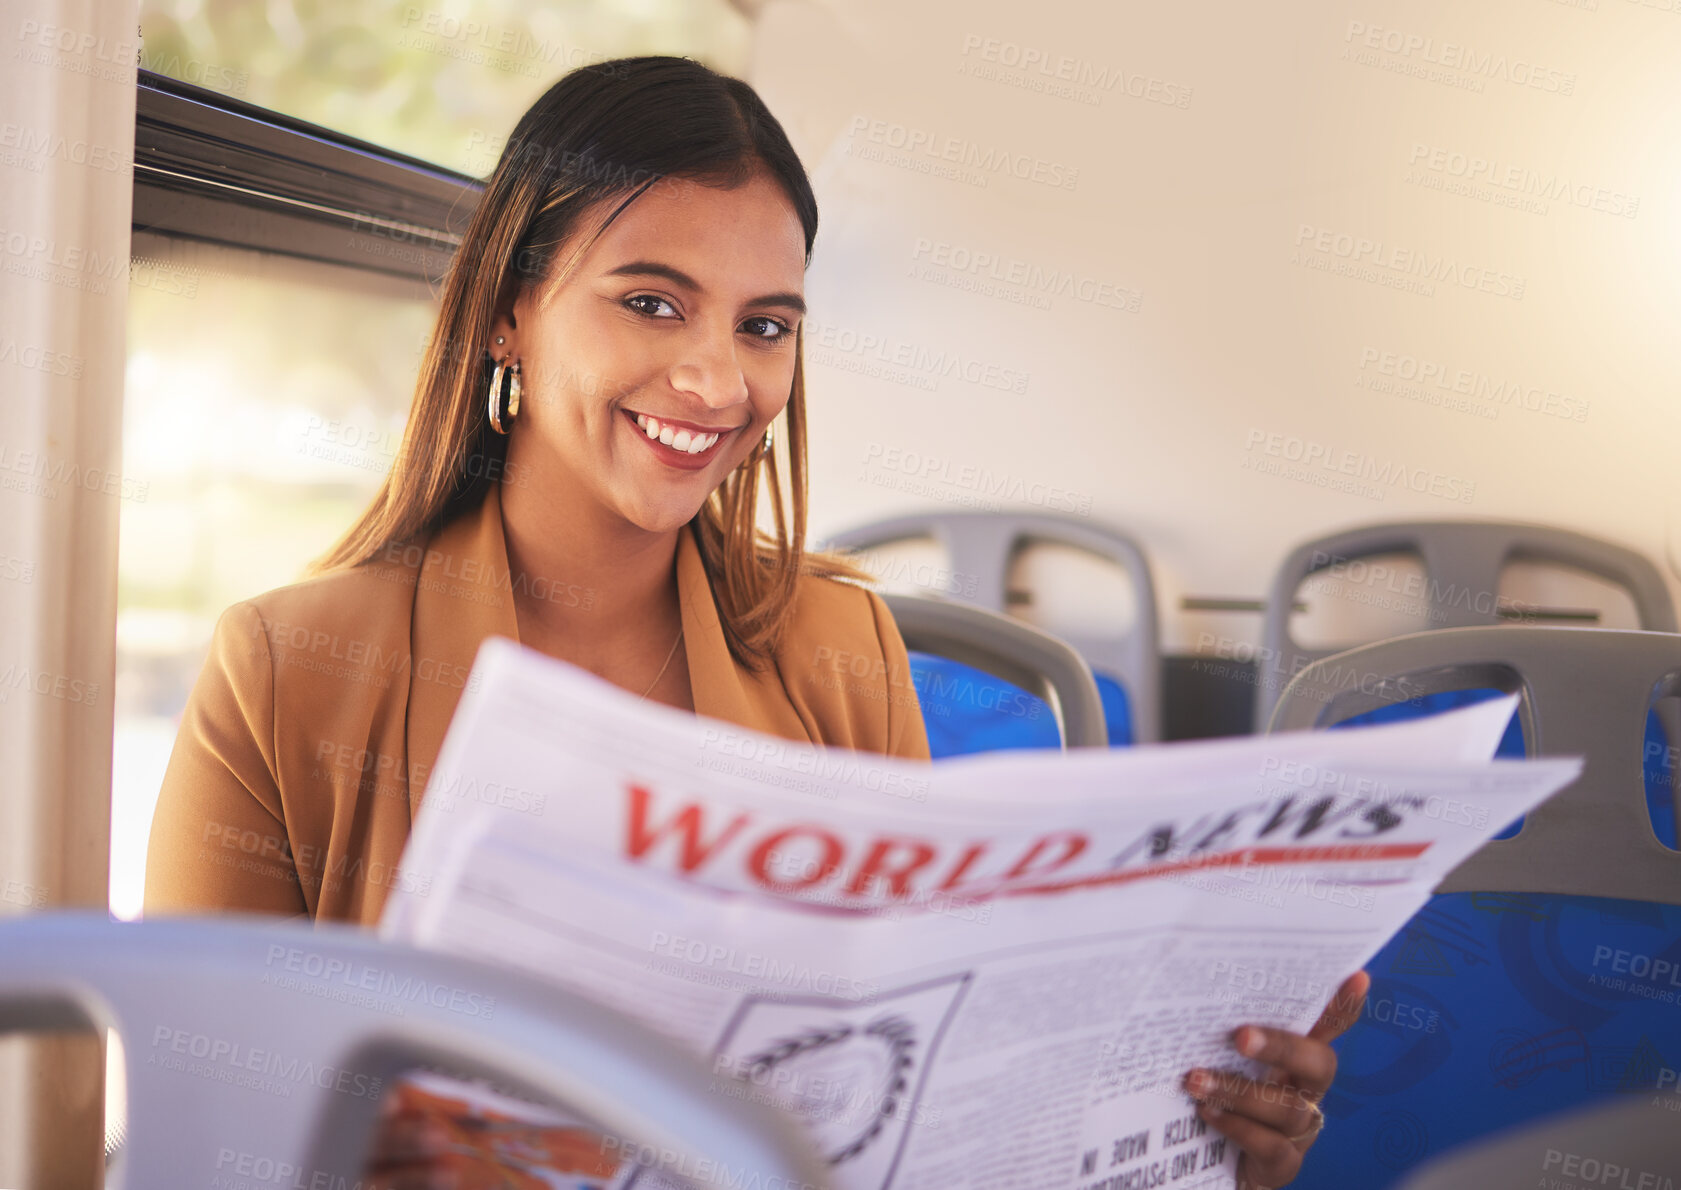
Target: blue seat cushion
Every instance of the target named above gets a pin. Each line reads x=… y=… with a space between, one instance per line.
x=1117 y=711
x=1489 y=1010
x=966 y=710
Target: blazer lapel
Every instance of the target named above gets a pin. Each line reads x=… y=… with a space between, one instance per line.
x=721 y=688
x=463 y=596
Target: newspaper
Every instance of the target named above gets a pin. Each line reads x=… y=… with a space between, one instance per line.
x=989 y=972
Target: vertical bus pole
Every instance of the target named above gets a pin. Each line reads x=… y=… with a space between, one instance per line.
x=66 y=191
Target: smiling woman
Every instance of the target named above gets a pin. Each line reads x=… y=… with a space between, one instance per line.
x=640 y=250
x=652 y=371
x=582 y=471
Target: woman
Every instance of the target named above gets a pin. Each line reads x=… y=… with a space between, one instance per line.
x=582 y=472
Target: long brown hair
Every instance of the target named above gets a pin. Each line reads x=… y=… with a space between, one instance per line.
x=604 y=134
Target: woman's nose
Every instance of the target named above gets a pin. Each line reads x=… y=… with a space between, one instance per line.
x=711 y=370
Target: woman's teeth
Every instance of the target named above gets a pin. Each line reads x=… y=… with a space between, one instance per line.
x=681 y=440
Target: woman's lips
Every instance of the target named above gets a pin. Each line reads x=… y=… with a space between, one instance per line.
x=673 y=442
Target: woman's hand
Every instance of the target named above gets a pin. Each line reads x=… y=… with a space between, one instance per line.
x=1276 y=1120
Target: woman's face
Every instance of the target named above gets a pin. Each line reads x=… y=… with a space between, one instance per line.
x=679 y=320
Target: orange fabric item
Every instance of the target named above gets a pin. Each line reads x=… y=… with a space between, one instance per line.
x=307 y=741
x=494 y=1150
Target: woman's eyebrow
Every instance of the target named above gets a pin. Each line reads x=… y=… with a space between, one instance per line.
x=653 y=268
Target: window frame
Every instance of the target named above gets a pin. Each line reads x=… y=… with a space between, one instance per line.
x=216 y=169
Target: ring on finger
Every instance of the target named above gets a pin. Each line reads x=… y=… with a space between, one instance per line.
x=1318 y=1125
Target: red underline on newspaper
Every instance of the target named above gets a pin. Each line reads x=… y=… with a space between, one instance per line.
x=1255 y=856
x=1248 y=856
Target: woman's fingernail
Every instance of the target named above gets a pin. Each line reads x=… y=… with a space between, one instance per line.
x=1209 y=1110
x=1249 y=1042
x=1198 y=1082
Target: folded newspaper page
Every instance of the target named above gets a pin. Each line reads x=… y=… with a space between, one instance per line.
x=989 y=972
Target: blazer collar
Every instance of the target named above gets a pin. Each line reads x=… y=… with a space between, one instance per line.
x=464 y=595
x=461 y=597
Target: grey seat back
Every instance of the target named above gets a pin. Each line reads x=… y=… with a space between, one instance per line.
x=1629 y=1142
x=1462 y=565
x=1583 y=692
x=273 y=1041
x=980 y=548
x=1020 y=654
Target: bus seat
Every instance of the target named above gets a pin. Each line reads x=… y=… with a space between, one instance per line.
x=1462 y=565
x=270 y=1042
x=986 y=681
x=1545 y=973
x=1620 y=1144
x=980 y=547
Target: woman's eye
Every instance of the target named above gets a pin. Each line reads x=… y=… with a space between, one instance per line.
x=647 y=303
x=771 y=330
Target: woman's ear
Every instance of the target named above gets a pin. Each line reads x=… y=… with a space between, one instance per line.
x=504 y=325
x=504 y=341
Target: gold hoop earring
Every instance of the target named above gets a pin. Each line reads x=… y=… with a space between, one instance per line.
x=504 y=406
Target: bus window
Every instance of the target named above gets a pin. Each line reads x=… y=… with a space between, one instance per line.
x=444 y=82
x=265 y=401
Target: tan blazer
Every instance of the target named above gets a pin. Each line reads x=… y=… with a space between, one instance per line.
x=306 y=743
